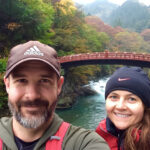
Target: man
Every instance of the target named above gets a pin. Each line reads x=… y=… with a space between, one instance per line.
x=33 y=83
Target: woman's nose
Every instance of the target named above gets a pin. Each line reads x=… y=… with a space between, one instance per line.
x=121 y=104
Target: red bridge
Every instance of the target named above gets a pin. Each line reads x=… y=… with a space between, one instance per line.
x=125 y=58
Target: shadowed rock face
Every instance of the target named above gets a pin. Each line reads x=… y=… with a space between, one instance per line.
x=87 y=90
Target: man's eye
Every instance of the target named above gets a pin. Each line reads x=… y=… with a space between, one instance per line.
x=22 y=80
x=44 y=80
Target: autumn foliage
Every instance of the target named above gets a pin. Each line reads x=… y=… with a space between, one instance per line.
x=100 y=26
x=60 y=24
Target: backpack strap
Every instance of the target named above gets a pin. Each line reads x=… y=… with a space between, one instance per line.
x=1 y=144
x=56 y=141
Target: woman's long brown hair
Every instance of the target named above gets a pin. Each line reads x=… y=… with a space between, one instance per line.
x=143 y=143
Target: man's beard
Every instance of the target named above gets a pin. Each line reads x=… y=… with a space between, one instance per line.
x=37 y=118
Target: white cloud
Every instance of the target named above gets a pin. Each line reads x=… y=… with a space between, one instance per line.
x=146 y=2
x=119 y=2
x=83 y=1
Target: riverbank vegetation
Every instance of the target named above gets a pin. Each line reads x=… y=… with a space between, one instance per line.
x=61 y=25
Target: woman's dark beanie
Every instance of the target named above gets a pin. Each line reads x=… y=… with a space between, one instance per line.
x=132 y=79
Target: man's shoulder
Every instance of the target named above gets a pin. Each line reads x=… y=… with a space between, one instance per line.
x=88 y=139
x=79 y=131
x=5 y=120
x=6 y=133
x=5 y=125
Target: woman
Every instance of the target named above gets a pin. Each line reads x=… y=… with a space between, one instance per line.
x=127 y=126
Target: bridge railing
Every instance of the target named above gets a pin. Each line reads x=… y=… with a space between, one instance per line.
x=105 y=55
x=120 y=55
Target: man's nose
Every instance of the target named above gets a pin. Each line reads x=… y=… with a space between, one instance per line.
x=32 y=92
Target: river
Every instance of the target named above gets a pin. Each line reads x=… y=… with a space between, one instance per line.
x=89 y=110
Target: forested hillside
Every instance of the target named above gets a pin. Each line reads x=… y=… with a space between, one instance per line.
x=131 y=15
x=63 y=26
x=100 y=8
x=57 y=23
x=122 y=39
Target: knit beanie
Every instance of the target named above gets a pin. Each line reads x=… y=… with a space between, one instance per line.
x=132 y=79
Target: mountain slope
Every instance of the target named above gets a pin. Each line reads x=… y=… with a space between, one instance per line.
x=100 y=8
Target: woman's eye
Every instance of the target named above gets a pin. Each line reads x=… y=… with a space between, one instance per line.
x=132 y=99
x=113 y=97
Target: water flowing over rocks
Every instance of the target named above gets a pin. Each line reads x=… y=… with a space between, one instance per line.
x=70 y=92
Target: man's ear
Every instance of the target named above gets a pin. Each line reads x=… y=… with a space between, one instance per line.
x=59 y=84
x=7 y=84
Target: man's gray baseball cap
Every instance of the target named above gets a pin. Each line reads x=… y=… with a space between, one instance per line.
x=32 y=50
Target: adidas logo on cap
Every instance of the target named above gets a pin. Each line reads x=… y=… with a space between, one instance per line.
x=34 y=51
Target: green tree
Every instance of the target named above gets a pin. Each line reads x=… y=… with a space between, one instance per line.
x=96 y=41
x=22 y=20
x=131 y=15
x=130 y=42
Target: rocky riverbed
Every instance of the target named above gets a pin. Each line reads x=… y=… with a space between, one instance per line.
x=67 y=101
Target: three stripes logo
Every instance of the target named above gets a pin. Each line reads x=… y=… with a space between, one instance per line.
x=33 y=51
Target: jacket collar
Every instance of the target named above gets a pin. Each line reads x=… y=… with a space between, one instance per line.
x=116 y=132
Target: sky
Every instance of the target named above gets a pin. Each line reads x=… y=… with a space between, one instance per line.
x=119 y=2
